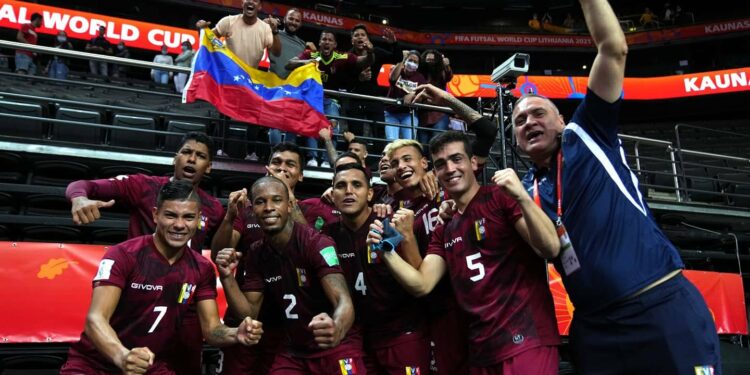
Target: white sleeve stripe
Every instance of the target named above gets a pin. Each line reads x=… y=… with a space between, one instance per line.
x=633 y=177
x=605 y=162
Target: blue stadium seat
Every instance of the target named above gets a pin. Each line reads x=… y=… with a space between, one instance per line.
x=133 y=139
x=21 y=127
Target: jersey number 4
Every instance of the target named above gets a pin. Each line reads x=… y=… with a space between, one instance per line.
x=473 y=264
x=359 y=284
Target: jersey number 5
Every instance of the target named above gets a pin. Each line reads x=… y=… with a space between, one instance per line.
x=470 y=262
x=162 y=310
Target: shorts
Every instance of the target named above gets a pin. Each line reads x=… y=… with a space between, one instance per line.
x=542 y=360
x=252 y=360
x=449 y=334
x=665 y=330
x=26 y=63
x=334 y=364
x=405 y=354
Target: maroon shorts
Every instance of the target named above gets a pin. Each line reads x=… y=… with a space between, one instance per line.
x=186 y=355
x=252 y=360
x=78 y=365
x=542 y=360
x=406 y=354
x=450 y=335
x=334 y=364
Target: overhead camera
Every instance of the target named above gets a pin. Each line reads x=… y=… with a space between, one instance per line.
x=514 y=67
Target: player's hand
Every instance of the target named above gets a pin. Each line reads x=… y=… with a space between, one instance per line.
x=428 y=184
x=382 y=210
x=375 y=235
x=327 y=196
x=201 y=24
x=403 y=221
x=236 y=202
x=273 y=22
x=226 y=261
x=365 y=75
x=325 y=134
x=508 y=180
x=430 y=94
x=389 y=35
x=446 y=210
x=283 y=176
x=349 y=136
x=137 y=361
x=327 y=334
x=249 y=332
x=311 y=46
x=86 y=210
x=369 y=47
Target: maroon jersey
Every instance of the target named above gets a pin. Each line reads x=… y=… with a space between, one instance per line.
x=138 y=193
x=155 y=296
x=497 y=278
x=291 y=280
x=384 y=309
x=336 y=71
x=380 y=195
x=318 y=213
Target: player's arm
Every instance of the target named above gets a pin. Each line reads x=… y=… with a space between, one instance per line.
x=296 y=62
x=329 y=331
x=218 y=334
x=104 y=300
x=226 y=236
x=325 y=134
x=403 y=222
x=85 y=210
x=417 y=281
x=608 y=69
x=368 y=58
x=534 y=226
x=247 y=304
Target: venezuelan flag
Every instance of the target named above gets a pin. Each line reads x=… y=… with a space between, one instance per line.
x=247 y=94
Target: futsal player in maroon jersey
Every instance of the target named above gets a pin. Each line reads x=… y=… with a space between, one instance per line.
x=392 y=321
x=297 y=269
x=143 y=290
x=492 y=249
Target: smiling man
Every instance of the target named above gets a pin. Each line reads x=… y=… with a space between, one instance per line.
x=144 y=289
x=138 y=194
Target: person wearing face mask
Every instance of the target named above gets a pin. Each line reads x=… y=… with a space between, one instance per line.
x=122 y=51
x=58 y=66
x=185 y=59
x=162 y=76
x=437 y=70
x=404 y=78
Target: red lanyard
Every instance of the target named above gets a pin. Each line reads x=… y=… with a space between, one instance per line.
x=538 y=200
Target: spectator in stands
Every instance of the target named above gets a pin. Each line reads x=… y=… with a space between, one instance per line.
x=336 y=68
x=58 y=66
x=291 y=46
x=122 y=51
x=27 y=34
x=534 y=22
x=569 y=22
x=162 y=76
x=404 y=79
x=247 y=36
x=581 y=180
x=365 y=81
x=436 y=69
x=138 y=193
x=99 y=44
x=668 y=14
x=547 y=17
x=648 y=18
x=134 y=339
x=184 y=59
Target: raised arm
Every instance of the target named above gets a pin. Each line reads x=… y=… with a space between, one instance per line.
x=608 y=69
x=325 y=134
x=226 y=236
x=329 y=331
x=368 y=58
x=85 y=210
x=296 y=62
x=218 y=334
x=247 y=304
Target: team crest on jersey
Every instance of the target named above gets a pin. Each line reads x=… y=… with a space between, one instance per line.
x=186 y=293
x=372 y=256
x=203 y=224
x=479 y=230
x=413 y=371
x=704 y=370
x=302 y=279
x=347 y=366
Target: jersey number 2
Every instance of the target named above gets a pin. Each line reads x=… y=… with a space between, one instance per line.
x=470 y=262
x=292 y=302
x=162 y=310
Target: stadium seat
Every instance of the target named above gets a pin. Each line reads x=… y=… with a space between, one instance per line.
x=708 y=190
x=77 y=133
x=111 y=171
x=13 y=170
x=50 y=233
x=5 y=233
x=108 y=236
x=21 y=127
x=177 y=126
x=46 y=205
x=229 y=184
x=133 y=139
x=235 y=144
x=8 y=204
x=58 y=172
x=742 y=199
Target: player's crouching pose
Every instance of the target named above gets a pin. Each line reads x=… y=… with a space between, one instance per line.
x=142 y=290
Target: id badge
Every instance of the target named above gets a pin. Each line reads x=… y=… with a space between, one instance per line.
x=568 y=255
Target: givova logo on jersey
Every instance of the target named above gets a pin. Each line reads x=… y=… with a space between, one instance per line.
x=186 y=292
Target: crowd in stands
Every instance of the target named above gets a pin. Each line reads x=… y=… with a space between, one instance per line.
x=671 y=15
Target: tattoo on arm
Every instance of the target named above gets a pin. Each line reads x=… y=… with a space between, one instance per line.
x=462 y=110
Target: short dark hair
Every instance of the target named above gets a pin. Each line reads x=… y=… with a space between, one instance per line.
x=199 y=137
x=360 y=141
x=35 y=16
x=350 y=166
x=348 y=154
x=328 y=31
x=439 y=141
x=177 y=190
x=291 y=147
x=360 y=26
x=269 y=179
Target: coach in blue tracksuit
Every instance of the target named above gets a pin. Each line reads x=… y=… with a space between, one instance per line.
x=635 y=313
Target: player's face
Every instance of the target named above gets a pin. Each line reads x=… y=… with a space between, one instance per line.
x=429 y=58
x=271 y=206
x=409 y=166
x=358 y=149
x=350 y=192
x=454 y=169
x=192 y=162
x=327 y=43
x=359 y=38
x=250 y=8
x=287 y=162
x=387 y=174
x=176 y=222
x=293 y=21
x=537 y=124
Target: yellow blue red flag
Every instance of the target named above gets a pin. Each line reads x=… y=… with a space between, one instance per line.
x=250 y=95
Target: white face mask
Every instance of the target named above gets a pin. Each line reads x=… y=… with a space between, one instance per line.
x=411 y=66
x=61 y=38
